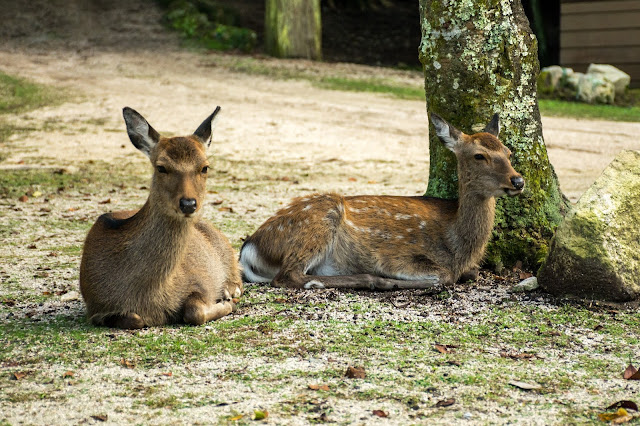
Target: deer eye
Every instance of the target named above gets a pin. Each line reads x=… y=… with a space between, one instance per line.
x=161 y=169
x=205 y=169
x=479 y=157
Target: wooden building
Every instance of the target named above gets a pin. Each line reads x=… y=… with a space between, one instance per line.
x=602 y=32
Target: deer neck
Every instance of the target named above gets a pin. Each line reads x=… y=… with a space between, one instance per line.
x=472 y=227
x=159 y=242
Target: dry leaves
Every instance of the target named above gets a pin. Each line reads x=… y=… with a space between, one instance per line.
x=319 y=387
x=445 y=349
x=380 y=413
x=445 y=402
x=18 y=375
x=619 y=417
x=631 y=373
x=100 y=417
x=126 y=363
x=355 y=372
x=67 y=374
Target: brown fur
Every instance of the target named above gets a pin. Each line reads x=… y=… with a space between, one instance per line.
x=384 y=242
x=159 y=265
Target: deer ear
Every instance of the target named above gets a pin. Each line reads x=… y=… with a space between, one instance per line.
x=206 y=128
x=142 y=135
x=494 y=126
x=449 y=135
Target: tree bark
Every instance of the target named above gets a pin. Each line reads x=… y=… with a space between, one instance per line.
x=480 y=58
x=293 y=29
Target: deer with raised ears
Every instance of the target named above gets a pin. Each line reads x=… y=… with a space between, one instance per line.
x=389 y=242
x=162 y=263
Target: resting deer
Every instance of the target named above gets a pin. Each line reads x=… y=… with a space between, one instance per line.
x=161 y=264
x=388 y=242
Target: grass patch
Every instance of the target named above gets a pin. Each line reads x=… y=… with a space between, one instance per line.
x=372 y=86
x=556 y=108
x=20 y=95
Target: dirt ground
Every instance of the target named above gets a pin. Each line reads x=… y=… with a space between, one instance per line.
x=301 y=137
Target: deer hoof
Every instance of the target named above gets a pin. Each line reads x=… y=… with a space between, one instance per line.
x=313 y=284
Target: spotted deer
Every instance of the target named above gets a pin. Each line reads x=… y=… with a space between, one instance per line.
x=162 y=263
x=389 y=242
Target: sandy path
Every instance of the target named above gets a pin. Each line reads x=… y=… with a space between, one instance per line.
x=264 y=118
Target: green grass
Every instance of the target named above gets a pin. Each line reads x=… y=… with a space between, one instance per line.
x=555 y=108
x=373 y=86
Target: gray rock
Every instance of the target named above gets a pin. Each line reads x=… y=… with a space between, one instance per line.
x=618 y=78
x=595 y=253
x=528 y=284
x=594 y=89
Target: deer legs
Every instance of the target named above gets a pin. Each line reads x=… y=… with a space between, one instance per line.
x=433 y=282
x=197 y=311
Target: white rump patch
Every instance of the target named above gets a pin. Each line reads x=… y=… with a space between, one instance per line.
x=313 y=284
x=255 y=269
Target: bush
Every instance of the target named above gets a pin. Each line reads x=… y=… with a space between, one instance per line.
x=208 y=24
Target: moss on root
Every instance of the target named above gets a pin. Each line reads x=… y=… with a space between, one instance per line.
x=481 y=59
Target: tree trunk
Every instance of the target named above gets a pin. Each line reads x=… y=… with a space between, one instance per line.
x=293 y=29
x=480 y=58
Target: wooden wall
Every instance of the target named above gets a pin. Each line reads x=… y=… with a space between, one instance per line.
x=602 y=32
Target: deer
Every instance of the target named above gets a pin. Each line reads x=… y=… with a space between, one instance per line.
x=381 y=242
x=162 y=263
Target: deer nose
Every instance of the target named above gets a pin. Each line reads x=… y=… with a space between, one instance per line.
x=188 y=205
x=517 y=182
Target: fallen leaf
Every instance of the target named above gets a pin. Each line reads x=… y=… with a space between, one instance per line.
x=226 y=209
x=371 y=182
x=620 y=416
x=36 y=194
x=107 y=201
x=525 y=385
x=167 y=374
x=260 y=415
x=67 y=374
x=236 y=418
x=380 y=413
x=319 y=387
x=631 y=373
x=23 y=199
x=19 y=375
x=444 y=349
x=100 y=417
x=32 y=246
x=629 y=405
x=217 y=202
x=127 y=363
x=454 y=362
x=355 y=372
x=352 y=179
x=445 y=402
x=598 y=327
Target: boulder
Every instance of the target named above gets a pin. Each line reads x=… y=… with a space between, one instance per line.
x=550 y=76
x=593 y=89
x=618 y=78
x=595 y=253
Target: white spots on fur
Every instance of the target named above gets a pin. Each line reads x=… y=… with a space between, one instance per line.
x=280 y=228
x=409 y=230
x=307 y=207
x=423 y=224
x=306 y=221
x=355 y=210
x=402 y=216
x=399 y=237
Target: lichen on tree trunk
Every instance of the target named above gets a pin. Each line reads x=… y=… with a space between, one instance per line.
x=480 y=58
x=293 y=28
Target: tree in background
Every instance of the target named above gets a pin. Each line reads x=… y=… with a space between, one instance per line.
x=293 y=29
x=480 y=58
